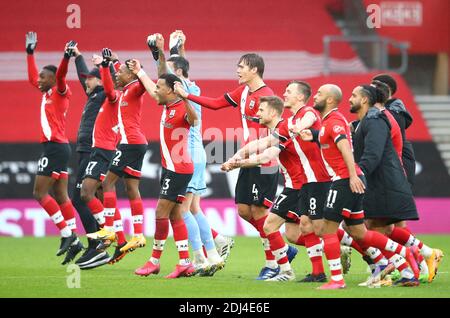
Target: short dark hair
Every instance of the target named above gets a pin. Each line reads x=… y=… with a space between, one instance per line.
x=388 y=80
x=180 y=62
x=383 y=91
x=303 y=88
x=253 y=60
x=372 y=93
x=274 y=102
x=170 y=79
x=50 y=68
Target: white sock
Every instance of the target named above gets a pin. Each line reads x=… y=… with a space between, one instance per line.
x=199 y=257
x=423 y=268
x=155 y=261
x=407 y=273
x=214 y=257
x=426 y=251
x=271 y=264
x=66 y=232
x=100 y=218
x=220 y=240
x=184 y=261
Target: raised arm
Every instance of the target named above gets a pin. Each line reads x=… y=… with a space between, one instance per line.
x=30 y=46
x=61 y=73
x=191 y=117
x=150 y=86
x=107 y=81
x=81 y=67
x=176 y=43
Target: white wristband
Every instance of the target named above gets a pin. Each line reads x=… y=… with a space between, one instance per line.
x=141 y=73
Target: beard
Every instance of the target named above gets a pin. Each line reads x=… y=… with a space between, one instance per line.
x=320 y=106
x=355 y=108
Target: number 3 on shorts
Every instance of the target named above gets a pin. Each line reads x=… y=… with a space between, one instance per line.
x=166 y=184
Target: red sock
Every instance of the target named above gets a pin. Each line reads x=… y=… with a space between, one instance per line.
x=52 y=208
x=378 y=240
x=137 y=211
x=341 y=233
x=180 y=236
x=277 y=246
x=161 y=234
x=314 y=248
x=259 y=225
x=300 y=240
x=404 y=236
x=332 y=249
x=68 y=212
x=214 y=233
x=400 y=235
x=96 y=207
x=109 y=202
x=379 y=257
x=118 y=227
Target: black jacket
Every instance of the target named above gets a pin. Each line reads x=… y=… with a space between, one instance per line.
x=388 y=195
x=90 y=111
x=404 y=119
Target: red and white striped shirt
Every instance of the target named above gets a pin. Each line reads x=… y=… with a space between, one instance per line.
x=248 y=103
x=174 y=133
x=130 y=110
x=300 y=161
x=334 y=128
x=54 y=104
x=106 y=127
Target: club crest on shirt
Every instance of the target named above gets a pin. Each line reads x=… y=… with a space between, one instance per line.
x=172 y=113
x=337 y=129
x=251 y=104
x=123 y=103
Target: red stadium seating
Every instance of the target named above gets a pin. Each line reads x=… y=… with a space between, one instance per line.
x=291 y=25
x=243 y=25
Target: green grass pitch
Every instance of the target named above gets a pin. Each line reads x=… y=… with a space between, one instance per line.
x=29 y=268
